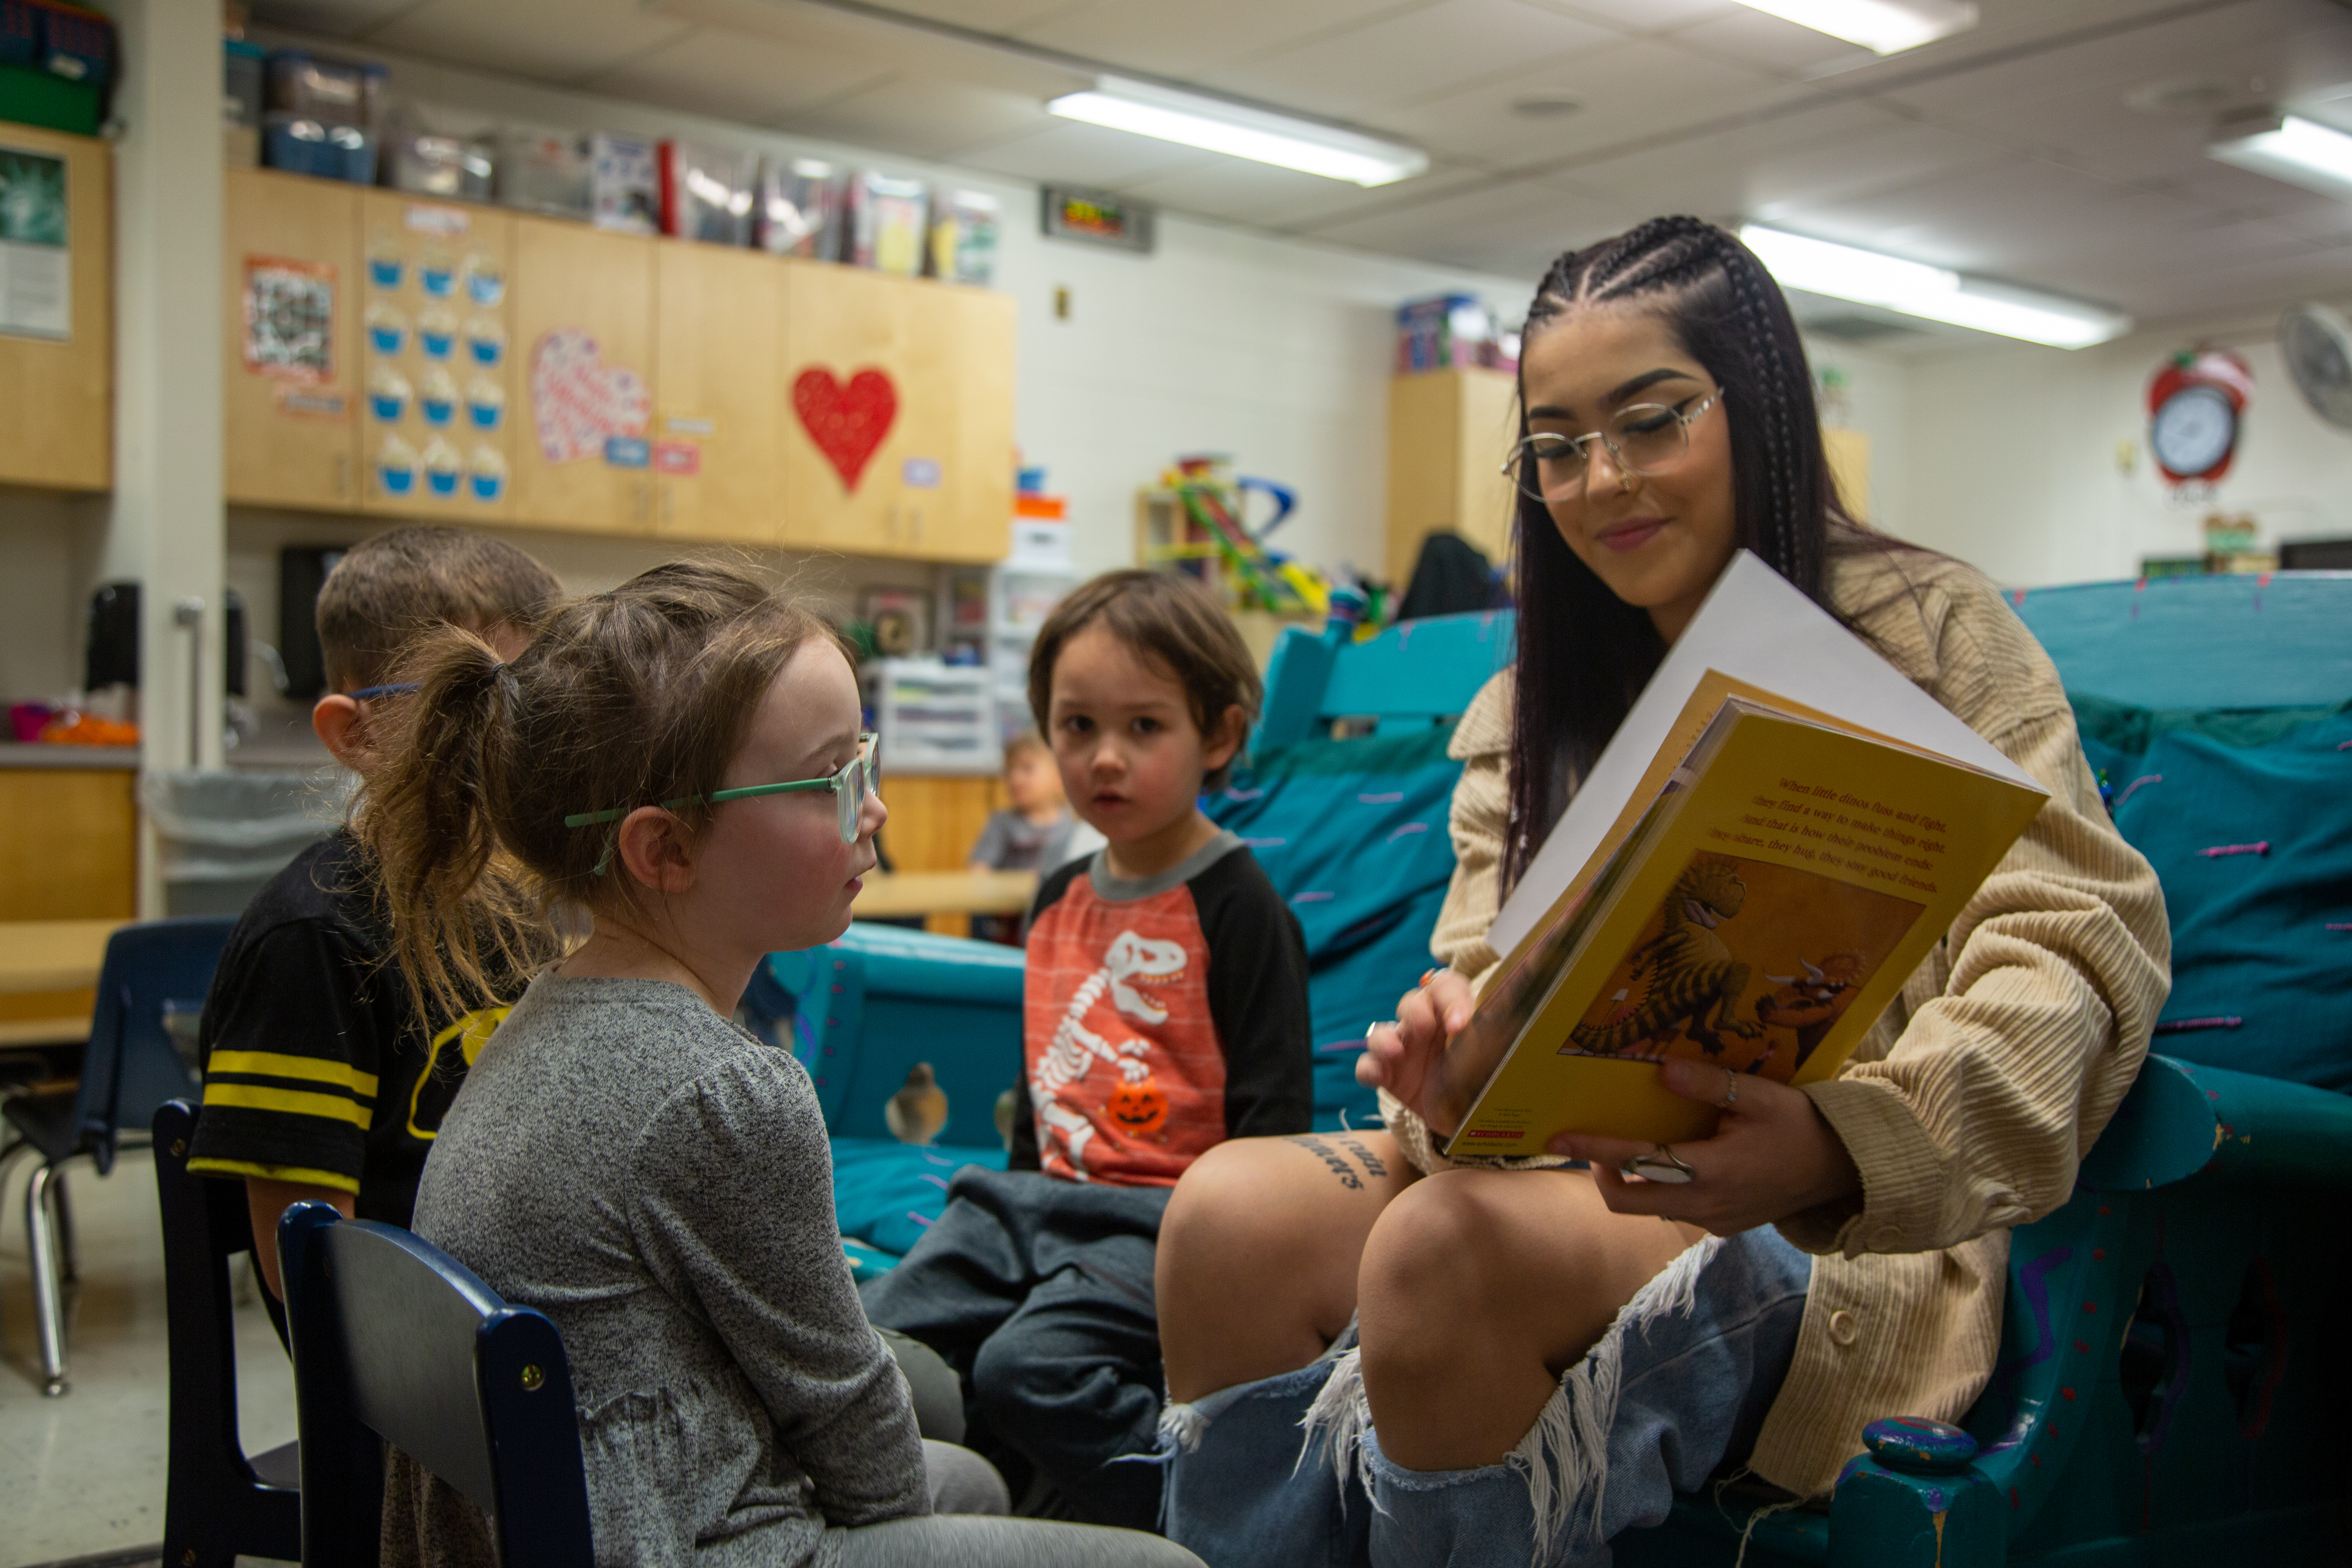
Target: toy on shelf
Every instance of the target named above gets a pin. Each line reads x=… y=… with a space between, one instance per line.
x=1194 y=522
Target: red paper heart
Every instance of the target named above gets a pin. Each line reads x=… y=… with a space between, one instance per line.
x=847 y=423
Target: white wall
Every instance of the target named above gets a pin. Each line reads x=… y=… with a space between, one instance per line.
x=1878 y=404
x=2014 y=462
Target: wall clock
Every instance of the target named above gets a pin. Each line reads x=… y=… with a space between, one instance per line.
x=2196 y=403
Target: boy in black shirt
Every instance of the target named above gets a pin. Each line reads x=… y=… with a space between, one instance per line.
x=320 y=1081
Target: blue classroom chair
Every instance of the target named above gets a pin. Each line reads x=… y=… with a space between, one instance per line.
x=2172 y=1368
x=395 y=1342
x=151 y=990
x=218 y=1503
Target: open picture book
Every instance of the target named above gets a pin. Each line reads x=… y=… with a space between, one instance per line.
x=1778 y=833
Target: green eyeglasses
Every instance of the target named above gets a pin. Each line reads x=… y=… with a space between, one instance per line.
x=858 y=777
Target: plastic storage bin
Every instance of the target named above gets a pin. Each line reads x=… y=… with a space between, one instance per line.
x=221 y=835
x=933 y=717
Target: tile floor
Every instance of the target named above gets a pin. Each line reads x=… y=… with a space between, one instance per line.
x=84 y=1474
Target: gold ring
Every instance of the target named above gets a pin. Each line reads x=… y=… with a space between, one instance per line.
x=1730 y=1090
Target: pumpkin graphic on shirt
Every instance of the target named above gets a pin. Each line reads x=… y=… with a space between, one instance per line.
x=1138 y=1109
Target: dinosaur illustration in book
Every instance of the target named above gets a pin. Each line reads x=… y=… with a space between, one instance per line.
x=1694 y=983
x=1811 y=1005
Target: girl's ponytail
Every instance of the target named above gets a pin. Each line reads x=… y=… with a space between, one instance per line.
x=628 y=698
x=465 y=929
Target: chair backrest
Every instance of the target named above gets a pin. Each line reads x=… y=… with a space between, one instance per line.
x=2273 y=640
x=153 y=980
x=205 y=1224
x=1415 y=672
x=394 y=1339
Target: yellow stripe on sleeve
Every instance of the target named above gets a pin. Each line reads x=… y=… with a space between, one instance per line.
x=253 y=1097
x=334 y=1180
x=277 y=1064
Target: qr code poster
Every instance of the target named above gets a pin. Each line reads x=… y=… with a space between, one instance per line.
x=289 y=319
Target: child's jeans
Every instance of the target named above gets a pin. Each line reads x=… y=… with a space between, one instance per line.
x=1038 y=1292
x=1679 y=1384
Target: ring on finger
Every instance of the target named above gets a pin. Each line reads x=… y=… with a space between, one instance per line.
x=1665 y=1165
x=1730 y=1090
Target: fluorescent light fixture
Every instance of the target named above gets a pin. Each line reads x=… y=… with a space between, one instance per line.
x=1881 y=26
x=1934 y=293
x=1243 y=132
x=2291 y=148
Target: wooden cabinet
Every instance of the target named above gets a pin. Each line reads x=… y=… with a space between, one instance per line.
x=583 y=347
x=58 y=390
x=69 y=843
x=720 y=406
x=290 y=358
x=438 y=404
x=980 y=526
x=1449 y=431
x=891 y=450
x=404 y=357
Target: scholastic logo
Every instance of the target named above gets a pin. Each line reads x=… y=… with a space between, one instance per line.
x=1506 y=1134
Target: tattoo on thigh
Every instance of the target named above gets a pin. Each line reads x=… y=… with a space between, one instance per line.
x=1340 y=1169
x=1331 y=1157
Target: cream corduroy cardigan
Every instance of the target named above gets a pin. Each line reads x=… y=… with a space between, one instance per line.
x=1969 y=1106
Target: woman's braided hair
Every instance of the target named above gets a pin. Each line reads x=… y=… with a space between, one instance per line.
x=1583 y=654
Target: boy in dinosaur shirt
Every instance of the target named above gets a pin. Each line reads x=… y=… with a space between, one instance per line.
x=1165 y=1010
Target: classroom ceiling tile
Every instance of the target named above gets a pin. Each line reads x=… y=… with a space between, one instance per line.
x=1976 y=219
x=1066 y=152
x=1365 y=69
x=1509 y=225
x=544 y=41
x=757 y=80
x=986 y=16
x=921 y=116
x=1629 y=90
x=1641 y=15
x=1764 y=42
x=1831 y=151
x=1184 y=40
x=1284 y=199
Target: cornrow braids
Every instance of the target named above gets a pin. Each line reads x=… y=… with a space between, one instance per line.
x=1583 y=654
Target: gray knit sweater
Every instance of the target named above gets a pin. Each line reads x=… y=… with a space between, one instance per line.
x=658 y=1184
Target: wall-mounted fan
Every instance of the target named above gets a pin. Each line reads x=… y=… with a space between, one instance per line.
x=2317 y=345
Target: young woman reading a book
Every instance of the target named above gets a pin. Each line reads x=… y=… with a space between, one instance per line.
x=1517 y=1363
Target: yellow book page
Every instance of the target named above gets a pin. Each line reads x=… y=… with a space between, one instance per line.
x=1706 y=699
x=1801 y=882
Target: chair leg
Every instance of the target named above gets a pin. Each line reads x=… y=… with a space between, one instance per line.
x=48 y=1297
x=68 y=1258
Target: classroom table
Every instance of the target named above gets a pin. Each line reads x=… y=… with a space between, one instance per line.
x=900 y=894
x=57 y=962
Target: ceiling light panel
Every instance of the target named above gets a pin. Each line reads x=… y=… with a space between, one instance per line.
x=1239 y=132
x=1931 y=293
x=1881 y=26
x=2291 y=148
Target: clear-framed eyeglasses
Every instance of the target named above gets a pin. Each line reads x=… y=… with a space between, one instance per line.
x=1642 y=438
x=857 y=778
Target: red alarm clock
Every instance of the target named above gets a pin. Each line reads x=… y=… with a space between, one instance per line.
x=2194 y=405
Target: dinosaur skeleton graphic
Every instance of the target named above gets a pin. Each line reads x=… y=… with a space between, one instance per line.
x=1075 y=1048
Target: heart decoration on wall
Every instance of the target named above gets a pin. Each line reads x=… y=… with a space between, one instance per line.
x=848 y=423
x=577 y=401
